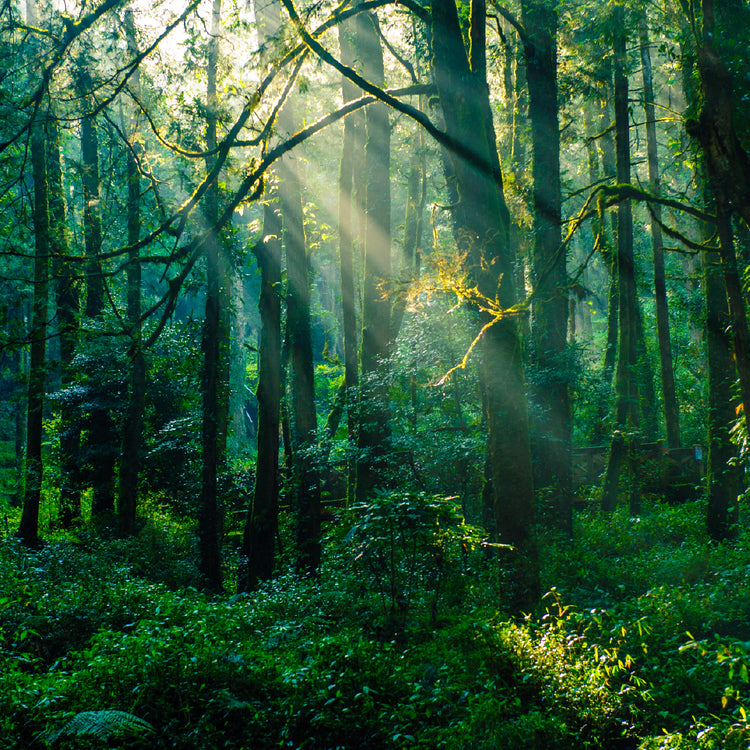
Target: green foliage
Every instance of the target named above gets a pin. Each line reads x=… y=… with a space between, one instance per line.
x=644 y=642
x=405 y=545
x=106 y=726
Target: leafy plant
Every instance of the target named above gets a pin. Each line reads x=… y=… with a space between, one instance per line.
x=406 y=544
x=101 y=725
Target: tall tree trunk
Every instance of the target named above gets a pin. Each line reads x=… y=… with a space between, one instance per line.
x=728 y=170
x=413 y=228
x=20 y=401
x=723 y=471
x=550 y=307
x=626 y=391
x=68 y=299
x=101 y=439
x=671 y=412
x=595 y=144
x=351 y=142
x=306 y=482
x=482 y=222
x=213 y=431
x=373 y=431
x=645 y=383
x=28 y=530
x=609 y=169
x=261 y=527
x=92 y=222
x=132 y=433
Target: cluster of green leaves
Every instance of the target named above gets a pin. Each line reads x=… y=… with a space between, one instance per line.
x=668 y=625
x=408 y=544
x=107 y=643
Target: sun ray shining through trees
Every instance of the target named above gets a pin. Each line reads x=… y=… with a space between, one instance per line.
x=328 y=333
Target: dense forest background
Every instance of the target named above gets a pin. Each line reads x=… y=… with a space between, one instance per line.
x=373 y=374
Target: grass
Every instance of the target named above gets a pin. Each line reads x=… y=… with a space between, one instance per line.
x=641 y=642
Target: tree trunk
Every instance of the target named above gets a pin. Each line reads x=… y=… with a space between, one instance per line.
x=261 y=527
x=671 y=412
x=214 y=417
x=20 y=402
x=609 y=169
x=92 y=222
x=28 y=530
x=132 y=433
x=723 y=471
x=601 y=237
x=626 y=391
x=68 y=299
x=305 y=480
x=101 y=438
x=482 y=222
x=728 y=171
x=351 y=143
x=373 y=430
x=550 y=306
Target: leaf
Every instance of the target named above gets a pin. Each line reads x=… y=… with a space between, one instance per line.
x=102 y=725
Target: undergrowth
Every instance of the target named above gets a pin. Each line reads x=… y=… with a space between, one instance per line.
x=642 y=641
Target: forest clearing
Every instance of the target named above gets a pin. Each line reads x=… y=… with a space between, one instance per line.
x=374 y=374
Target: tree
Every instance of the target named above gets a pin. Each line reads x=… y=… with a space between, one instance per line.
x=28 y=530
x=723 y=471
x=626 y=377
x=214 y=344
x=132 y=432
x=550 y=305
x=727 y=162
x=671 y=412
x=261 y=526
x=306 y=482
x=68 y=301
x=352 y=139
x=100 y=446
x=373 y=430
x=481 y=225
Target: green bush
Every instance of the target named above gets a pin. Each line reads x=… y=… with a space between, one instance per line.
x=410 y=548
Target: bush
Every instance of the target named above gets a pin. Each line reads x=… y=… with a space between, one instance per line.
x=410 y=548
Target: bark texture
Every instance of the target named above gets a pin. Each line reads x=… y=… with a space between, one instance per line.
x=261 y=527
x=132 y=432
x=28 y=530
x=214 y=344
x=481 y=221
x=671 y=412
x=550 y=306
x=374 y=431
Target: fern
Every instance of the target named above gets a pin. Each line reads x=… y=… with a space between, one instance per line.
x=101 y=725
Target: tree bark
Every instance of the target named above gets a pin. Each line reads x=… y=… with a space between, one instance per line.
x=28 y=530
x=351 y=142
x=305 y=478
x=626 y=391
x=482 y=231
x=68 y=300
x=132 y=433
x=373 y=429
x=671 y=411
x=728 y=171
x=550 y=306
x=261 y=527
x=609 y=169
x=215 y=349
x=723 y=471
x=101 y=439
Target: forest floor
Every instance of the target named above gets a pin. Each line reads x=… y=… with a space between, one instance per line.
x=643 y=641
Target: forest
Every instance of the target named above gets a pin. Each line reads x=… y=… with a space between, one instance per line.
x=373 y=374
